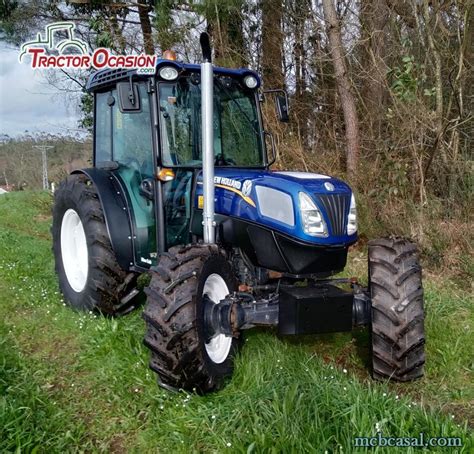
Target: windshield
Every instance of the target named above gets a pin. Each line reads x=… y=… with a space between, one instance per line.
x=237 y=138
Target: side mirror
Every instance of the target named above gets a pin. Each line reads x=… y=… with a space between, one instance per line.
x=281 y=102
x=282 y=108
x=129 y=101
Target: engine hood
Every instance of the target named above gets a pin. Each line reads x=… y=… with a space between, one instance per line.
x=271 y=199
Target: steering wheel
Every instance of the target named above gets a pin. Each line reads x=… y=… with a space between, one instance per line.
x=223 y=161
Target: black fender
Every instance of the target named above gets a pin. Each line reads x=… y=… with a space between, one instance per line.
x=116 y=213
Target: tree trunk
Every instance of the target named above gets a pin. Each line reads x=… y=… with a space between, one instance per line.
x=119 y=40
x=438 y=78
x=301 y=107
x=272 y=44
x=143 y=13
x=236 y=39
x=224 y=25
x=344 y=88
x=373 y=17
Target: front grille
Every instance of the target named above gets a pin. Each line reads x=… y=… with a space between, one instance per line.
x=336 y=209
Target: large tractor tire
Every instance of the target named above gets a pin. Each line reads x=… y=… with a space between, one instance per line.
x=397 y=310
x=89 y=276
x=181 y=355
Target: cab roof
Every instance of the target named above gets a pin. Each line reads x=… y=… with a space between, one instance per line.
x=109 y=77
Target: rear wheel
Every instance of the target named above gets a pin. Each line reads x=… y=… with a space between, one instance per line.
x=397 y=310
x=89 y=276
x=181 y=284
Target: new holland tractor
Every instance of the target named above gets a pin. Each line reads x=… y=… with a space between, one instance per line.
x=181 y=188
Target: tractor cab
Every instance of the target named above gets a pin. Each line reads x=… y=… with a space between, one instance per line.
x=159 y=135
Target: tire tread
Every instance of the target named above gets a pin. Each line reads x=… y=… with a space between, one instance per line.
x=173 y=337
x=397 y=310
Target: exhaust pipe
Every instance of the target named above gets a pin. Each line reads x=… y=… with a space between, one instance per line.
x=207 y=113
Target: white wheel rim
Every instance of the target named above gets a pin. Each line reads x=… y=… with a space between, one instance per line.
x=74 y=250
x=218 y=347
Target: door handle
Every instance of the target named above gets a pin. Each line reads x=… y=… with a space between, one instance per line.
x=146 y=188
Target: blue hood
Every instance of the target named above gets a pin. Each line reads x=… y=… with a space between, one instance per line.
x=238 y=194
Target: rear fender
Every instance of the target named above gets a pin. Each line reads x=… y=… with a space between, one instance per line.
x=116 y=213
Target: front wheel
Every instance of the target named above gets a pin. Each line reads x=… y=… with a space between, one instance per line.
x=398 y=336
x=184 y=281
x=89 y=276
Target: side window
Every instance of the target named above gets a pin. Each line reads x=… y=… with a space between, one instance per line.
x=103 y=130
x=132 y=141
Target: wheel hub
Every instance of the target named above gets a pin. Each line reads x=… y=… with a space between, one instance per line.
x=74 y=251
x=217 y=345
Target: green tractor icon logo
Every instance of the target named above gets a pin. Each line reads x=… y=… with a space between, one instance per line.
x=58 y=37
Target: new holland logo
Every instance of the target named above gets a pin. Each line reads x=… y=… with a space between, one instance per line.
x=329 y=186
x=247 y=188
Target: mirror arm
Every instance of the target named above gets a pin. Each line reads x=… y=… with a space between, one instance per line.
x=274 y=153
x=278 y=90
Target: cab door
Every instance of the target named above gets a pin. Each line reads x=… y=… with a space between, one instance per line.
x=131 y=152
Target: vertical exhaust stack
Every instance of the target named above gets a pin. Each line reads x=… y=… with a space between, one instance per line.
x=207 y=113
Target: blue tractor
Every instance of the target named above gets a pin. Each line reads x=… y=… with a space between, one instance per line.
x=181 y=188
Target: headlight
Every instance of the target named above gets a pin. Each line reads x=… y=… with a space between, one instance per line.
x=352 y=218
x=313 y=222
x=168 y=73
x=250 y=81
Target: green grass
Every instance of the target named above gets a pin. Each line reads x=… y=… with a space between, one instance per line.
x=76 y=382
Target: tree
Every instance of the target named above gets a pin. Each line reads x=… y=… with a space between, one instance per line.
x=224 y=25
x=272 y=44
x=144 y=14
x=374 y=15
x=351 y=121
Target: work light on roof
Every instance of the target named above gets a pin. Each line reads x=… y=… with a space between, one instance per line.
x=250 y=81
x=168 y=73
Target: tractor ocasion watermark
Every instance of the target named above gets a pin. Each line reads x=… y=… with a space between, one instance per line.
x=101 y=58
x=59 y=48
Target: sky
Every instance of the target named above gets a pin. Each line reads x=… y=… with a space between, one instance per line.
x=27 y=102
